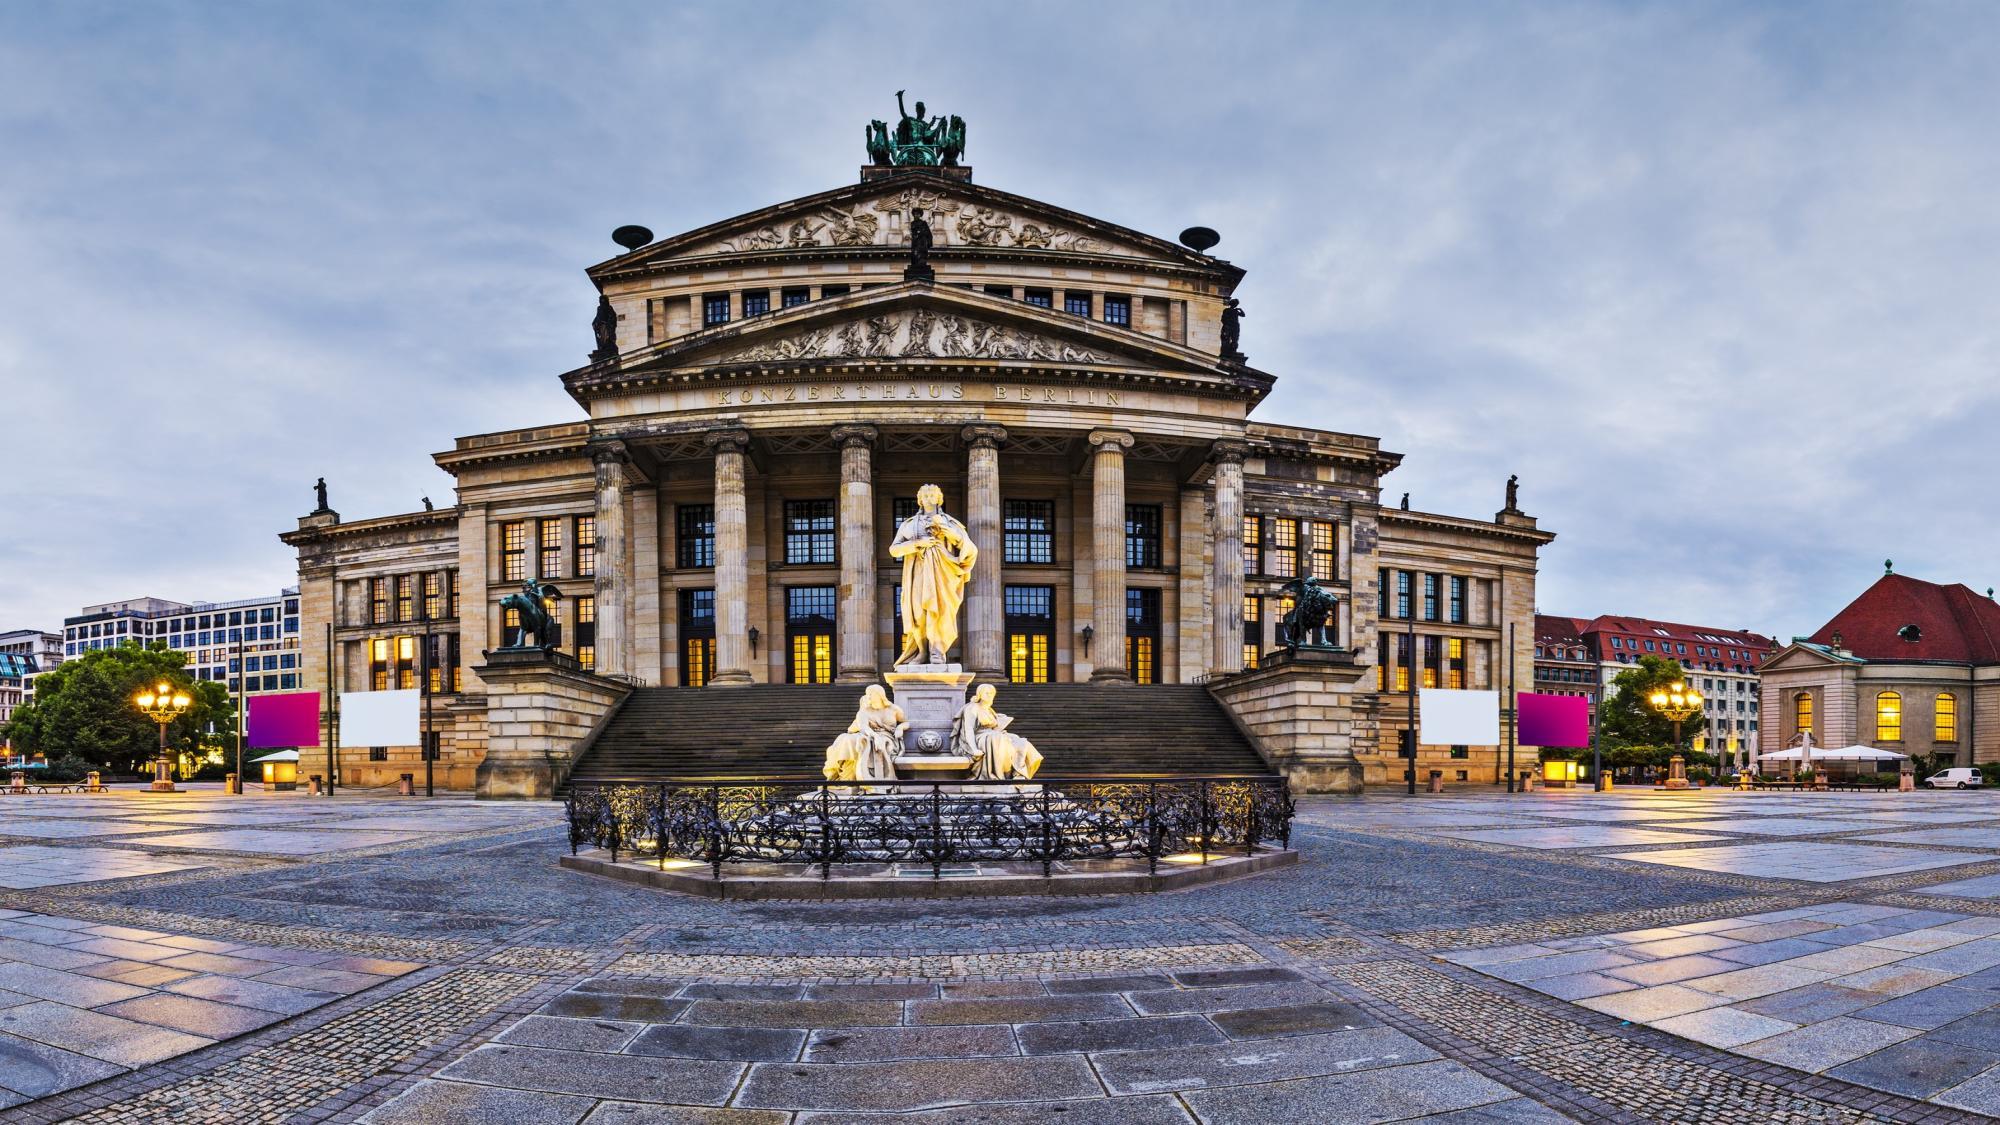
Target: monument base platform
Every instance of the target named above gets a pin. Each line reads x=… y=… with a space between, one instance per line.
x=979 y=879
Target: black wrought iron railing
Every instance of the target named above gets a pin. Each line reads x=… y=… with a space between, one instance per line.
x=934 y=823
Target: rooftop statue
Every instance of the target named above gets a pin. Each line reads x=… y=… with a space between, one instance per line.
x=937 y=554
x=916 y=141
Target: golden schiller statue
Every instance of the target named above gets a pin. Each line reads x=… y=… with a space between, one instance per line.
x=937 y=554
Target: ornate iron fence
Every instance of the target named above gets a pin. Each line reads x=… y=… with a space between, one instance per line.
x=787 y=820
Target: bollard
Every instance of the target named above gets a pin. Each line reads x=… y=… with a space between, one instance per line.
x=233 y=784
x=406 y=785
x=1436 y=784
x=1527 y=781
x=92 y=783
x=317 y=786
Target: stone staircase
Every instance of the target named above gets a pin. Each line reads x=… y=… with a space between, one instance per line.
x=781 y=730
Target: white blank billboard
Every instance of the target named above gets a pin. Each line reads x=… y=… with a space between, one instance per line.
x=1446 y=717
x=379 y=718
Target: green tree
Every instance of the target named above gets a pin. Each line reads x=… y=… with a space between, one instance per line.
x=84 y=708
x=1626 y=719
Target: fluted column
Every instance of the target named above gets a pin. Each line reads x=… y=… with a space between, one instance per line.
x=732 y=560
x=1107 y=520
x=857 y=553
x=1227 y=534
x=613 y=583
x=985 y=624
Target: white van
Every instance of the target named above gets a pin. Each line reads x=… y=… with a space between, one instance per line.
x=1959 y=777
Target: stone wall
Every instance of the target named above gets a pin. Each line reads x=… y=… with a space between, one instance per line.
x=1299 y=711
x=540 y=707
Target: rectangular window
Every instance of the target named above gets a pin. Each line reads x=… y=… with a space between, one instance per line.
x=584 y=634
x=378 y=603
x=1403 y=661
x=1142 y=635
x=1030 y=619
x=433 y=595
x=697 y=622
x=1403 y=594
x=809 y=614
x=756 y=302
x=1253 y=630
x=828 y=292
x=1454 y=663
x=809 y=532
x=1040 y=298
x=406 y=597
x=549 y=540
x=714 y=309
x=792 y=298
x=1118 y=309
x=451 y=604
x=1006 y=291
x=694 y=535
x=1433 y=670
x=1430 y=597
x=1283 y=560
x=1457 y=609
x=1077 y=304
x=1323 y=540
x=586 y=546
x=1253 y=544
x=1028 y=531
x=1142 y=535
x=514 y=550
x=406 y=663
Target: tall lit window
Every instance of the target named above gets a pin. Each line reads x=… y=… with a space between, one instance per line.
x=1142 y=635
x=1253 y=544
x=697 y=623
x=1432 y=657
x=1028 y=531
x=434 y=587
x=1454 y=663
x=809 y=614
x=694 y=535
x=378 y=602
x=808 y=532
x=1253 y=630
x=1283 y=559
x=1142 y=535
x=378 y=664
x=586 y=546
x=584 y=638
x=549 y=540
x=406 y=663
x=406 y=597
x=1404 y=659
x=1945 y=718
x=1324 y=538
x=514 y=550
x=1888 y=717
x=1030 y=621
x=451 y=598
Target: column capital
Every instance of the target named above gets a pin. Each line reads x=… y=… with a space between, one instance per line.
x=727 y=441
x=845 y=436
x=1229 y=451
x=1100 y=439
x=983 y=436
x=610 y=453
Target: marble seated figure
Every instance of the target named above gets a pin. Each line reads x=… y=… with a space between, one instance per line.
x=867 y=752
x=997 y=754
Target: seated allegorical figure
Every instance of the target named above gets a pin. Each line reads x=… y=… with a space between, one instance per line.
x=867 y=752
x=982 y=735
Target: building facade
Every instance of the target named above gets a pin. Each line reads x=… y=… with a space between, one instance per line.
x=1909 y=666
x=260 y=633
x=1565 y=663
x=24 y=655
x=769 y=392
x=1724 y=664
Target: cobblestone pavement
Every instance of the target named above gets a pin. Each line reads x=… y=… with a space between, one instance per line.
x=1634 y=956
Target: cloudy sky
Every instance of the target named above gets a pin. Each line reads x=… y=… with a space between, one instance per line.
x=1721 y=282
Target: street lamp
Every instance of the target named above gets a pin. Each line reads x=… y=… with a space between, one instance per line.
x=1678 y=702
x=163 y=704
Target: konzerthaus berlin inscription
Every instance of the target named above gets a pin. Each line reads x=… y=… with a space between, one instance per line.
x=765 y=396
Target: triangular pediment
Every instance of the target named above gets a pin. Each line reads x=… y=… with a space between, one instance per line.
x=1805 y=656
x=962 y=216
x=920 y=323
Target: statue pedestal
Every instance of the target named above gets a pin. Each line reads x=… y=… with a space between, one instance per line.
x=931 y=696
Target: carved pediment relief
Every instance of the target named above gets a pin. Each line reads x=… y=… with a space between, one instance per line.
x=919 y=333
x=880 y=221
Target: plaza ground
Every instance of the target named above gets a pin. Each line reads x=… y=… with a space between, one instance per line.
x=1638 y=955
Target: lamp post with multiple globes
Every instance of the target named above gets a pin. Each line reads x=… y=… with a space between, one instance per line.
x=163 y=703
x=1678 y=702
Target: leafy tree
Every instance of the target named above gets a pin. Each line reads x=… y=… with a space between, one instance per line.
x=84 y=708
x=1626 y=719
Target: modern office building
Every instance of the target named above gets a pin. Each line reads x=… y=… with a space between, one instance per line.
x=24 y=655
x=262 y=632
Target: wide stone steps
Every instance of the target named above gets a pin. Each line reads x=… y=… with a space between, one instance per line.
x=783 y=730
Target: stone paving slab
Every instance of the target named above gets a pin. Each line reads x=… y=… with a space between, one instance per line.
x=1811 y=862
x=1398 y=1094
x=922 y=1084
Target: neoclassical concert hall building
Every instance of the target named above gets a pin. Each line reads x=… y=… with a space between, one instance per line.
x=766 y=397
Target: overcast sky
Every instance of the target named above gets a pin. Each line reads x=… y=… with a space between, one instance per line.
x=1720 y=282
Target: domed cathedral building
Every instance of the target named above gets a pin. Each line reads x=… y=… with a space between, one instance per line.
x=766 y=396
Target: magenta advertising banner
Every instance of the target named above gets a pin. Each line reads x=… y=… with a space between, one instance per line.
x=290 y=719
x=1554 y=720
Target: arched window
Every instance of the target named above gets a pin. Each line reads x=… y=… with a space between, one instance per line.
x=1888 y=717
x=1945 y=718
x=1802 y=712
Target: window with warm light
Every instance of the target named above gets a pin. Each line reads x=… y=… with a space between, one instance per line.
x=585 y=639
x=1802 y=712
x=514 y=550
x=1945 y=718
x=1889 y=717
x=1253 y=544
x=1323 y=539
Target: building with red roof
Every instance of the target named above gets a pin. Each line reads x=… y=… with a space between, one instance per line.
x=1564 y=663
x=1907 y=666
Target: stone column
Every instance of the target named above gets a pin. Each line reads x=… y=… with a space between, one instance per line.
x=732 y=560
x=613 y=584
x=1228 y=535
x=1107 y=518
x=857 y=554
x=985 y=623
